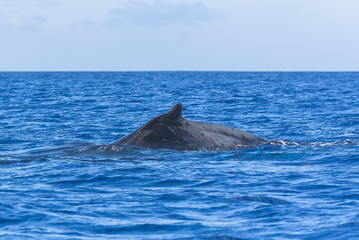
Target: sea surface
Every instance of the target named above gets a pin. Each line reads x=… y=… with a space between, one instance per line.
x=55 y=183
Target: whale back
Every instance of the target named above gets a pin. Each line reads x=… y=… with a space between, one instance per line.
x=170 y=130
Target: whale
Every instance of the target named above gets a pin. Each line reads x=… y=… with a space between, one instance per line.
x=172 y=131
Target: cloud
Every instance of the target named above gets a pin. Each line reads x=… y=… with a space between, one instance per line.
x=160 y=13
x=23 y=16
x=38 y=18
x=22 y=23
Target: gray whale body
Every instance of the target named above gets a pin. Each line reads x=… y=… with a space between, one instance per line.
x=172 y=131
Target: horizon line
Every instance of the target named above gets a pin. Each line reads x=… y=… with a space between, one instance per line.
x=3 y=71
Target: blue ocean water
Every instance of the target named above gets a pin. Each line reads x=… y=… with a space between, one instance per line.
x=53 y=186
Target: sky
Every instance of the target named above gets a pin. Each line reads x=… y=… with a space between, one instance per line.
x=161 y=35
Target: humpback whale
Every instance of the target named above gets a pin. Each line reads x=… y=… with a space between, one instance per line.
x=172 y=131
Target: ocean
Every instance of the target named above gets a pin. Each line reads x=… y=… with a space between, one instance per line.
x=54 y=185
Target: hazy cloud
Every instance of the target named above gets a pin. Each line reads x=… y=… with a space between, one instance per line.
x=38 y=18
x=160 y=13
x=20 y=15
x=22 y=23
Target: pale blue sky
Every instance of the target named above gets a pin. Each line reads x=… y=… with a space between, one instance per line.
x=121 y=35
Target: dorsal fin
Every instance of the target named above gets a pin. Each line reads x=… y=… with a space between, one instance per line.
x=175 y=112
x=174 y=115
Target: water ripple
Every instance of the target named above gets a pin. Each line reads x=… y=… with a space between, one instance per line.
x=60 y=180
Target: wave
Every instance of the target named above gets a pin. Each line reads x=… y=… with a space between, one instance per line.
x=346 y=142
